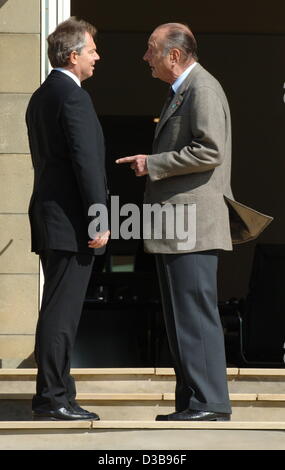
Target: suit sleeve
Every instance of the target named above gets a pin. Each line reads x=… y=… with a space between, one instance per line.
x=207 y=147
x=86 y=147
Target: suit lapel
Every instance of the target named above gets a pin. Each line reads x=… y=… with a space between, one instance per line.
x=168 y=110
x=171 y=107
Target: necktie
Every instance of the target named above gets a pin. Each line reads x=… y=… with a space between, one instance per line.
x=169 y=96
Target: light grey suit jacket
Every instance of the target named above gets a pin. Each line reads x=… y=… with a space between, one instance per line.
x=191 y=165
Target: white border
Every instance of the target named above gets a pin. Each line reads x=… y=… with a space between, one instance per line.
x=53 y=12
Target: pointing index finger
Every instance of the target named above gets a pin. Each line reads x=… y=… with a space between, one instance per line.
x=126 y=160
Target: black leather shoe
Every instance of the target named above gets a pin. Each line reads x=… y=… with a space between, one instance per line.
x=66 y=414
x=86 y=413
x=194 y=415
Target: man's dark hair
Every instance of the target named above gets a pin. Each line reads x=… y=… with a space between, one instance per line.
x=69 y=36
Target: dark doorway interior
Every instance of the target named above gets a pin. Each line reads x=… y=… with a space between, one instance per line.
x=248 y=59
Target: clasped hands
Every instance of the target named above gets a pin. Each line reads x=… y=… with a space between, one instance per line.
x=139 y=165
x=100 y=240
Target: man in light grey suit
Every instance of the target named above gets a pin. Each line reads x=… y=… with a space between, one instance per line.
x=190 y=166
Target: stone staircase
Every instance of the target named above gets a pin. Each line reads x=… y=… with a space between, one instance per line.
x=128 y=400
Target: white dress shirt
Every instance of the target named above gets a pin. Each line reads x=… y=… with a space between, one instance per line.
x=70 y=74
x=182 y=77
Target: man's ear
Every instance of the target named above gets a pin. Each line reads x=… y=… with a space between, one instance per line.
x=175 y=55
x=73 y=57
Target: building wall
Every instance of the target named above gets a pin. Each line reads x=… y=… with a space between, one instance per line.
x=19 y=268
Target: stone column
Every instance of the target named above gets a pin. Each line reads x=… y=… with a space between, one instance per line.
x=19 y=268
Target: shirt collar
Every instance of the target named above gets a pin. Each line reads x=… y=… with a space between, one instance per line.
x=182 y=77
x=70 y=74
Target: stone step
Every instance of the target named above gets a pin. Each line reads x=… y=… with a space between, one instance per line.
x=161 y=380
x=139 y=435
x=140 y=424
x=145 y=406
x=128 y=401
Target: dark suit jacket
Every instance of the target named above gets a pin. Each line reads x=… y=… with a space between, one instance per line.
x=68 y=153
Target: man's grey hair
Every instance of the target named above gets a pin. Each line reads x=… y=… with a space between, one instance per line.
x=69 y=36
x=179 y=36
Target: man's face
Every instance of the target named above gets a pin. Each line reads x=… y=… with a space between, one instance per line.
x=86 y=60
x=160 y=64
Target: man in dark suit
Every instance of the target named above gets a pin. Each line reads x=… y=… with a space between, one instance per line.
x=190 y=168
x=67 y=149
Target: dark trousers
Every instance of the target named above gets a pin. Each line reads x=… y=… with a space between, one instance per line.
x=188 y=284
x=66 y=276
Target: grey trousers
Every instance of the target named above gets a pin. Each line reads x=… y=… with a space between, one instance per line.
x=188 y=284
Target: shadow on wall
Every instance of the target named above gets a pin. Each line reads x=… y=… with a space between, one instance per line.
x=2 y=2
x=6 y=247
x=28 y=363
